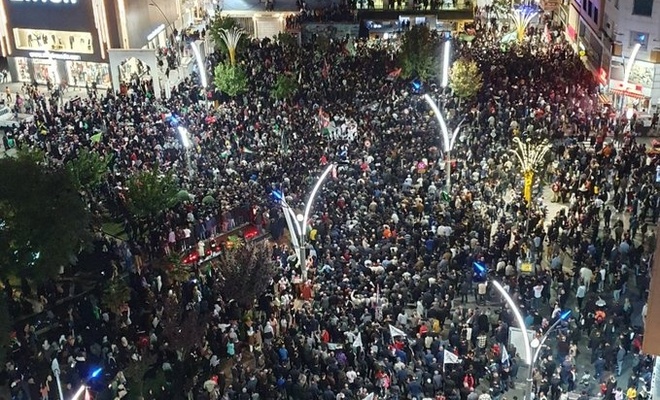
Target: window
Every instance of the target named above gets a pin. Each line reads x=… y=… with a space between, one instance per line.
x=643 y=7
x=595 y=15
x=639 y=37
x=590 y=9
x=584 y=5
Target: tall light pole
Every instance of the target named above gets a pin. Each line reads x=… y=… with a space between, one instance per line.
x=298 y=223
x=530 y=156
x=445 y=64
x=537 y=345
x=187 y=144
x=55 y=367
x=447 y=140
x=482 y=272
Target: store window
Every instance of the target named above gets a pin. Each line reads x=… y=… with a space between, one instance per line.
x=639 y=37
x=595 y=15
x=643 y=7
x=82 y=74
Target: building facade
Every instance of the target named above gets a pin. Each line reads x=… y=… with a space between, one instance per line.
x=633 y=28
x=68 y=40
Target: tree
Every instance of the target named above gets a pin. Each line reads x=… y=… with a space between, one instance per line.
x=150 y=193
x=285 y=87
x=287 y=41
x=245 y=272
x=230 y=79
x=44 y=223
x=115 y=294
x=418 y=47
x=501 y=8
x=465 y=79
x=88 y=169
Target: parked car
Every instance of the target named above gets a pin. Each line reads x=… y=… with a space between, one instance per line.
x=8 y=119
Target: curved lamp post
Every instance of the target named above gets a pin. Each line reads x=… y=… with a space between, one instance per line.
x=298 y=223
x=447 y=140
x=482 y=272
x=529 y=155
x=537 y=345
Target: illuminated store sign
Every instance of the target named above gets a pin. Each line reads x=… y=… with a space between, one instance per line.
x=46 y=1
x=55 y=56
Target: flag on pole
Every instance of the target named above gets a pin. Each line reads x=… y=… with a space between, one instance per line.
x=505 y=356
x=394 y=74
x=394 y=331
x=358 y=342
x=450 y=358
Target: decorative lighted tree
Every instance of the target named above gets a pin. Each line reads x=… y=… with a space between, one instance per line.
x=530 y=156
x=522 y=17
x=231 y=37
x=465 y=79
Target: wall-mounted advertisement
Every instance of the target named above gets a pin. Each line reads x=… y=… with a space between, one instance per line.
x=23 y=69
x=82 y=73
x=56 y=41
x=44 y=71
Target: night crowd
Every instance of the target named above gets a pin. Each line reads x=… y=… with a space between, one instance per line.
x=391 y=306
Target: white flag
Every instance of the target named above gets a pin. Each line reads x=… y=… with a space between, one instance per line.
x=358 y=342
x=450 y=358
x=394 y=331
x=370 y=397
x=505 y=355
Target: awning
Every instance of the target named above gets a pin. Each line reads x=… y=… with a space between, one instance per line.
x=628 y=93
x=604 y=99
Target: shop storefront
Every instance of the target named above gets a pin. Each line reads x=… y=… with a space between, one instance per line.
x=53 y=42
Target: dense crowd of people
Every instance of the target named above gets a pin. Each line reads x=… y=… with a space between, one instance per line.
x=391 y=306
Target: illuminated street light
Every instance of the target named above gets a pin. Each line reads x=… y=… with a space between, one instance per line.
x=298 y=223
x=231 y=38
x=530 y=156
x=482 y=272
x=187 y=144
x=447 y=140
x=522 y=17
x=445 y=64
x=537 y=345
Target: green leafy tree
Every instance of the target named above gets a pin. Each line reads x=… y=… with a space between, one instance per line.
x=230 y=79
x=44 y=223
x=465 y=79
x=288 y=42
x=285 y=87
x=115 y=294
x=88 y=169
x=501 y=8
x=150 y=193
x=246 y=271
x=418 y=49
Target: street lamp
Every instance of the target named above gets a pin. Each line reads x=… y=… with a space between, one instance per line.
x=447 y=141
x=297 y=223
x=481 y=271
x=537 y=345
x=529 y=155
x=83 y=387
x=187 y=144
x=55 y=367
x=445 y=64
